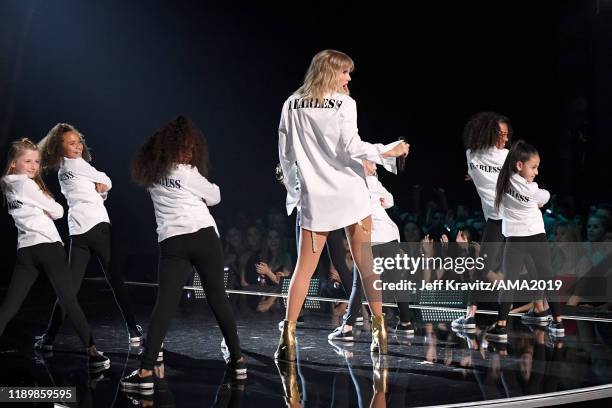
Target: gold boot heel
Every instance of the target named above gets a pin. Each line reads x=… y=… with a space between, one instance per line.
x=379 y=335
x=286 y=343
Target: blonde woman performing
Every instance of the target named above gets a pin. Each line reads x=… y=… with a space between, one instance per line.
x=320 y=149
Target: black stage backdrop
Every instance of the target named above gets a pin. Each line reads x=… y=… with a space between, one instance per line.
x=119 y=69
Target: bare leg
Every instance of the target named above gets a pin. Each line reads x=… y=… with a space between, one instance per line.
x=311 y=244
x=359 y=237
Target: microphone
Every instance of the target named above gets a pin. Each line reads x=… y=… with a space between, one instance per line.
x=401 y=161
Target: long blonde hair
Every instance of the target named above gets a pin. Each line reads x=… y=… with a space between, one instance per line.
x=15 y=151
x=321 y=77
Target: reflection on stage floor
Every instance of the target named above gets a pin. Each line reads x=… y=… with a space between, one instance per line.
x=435 y=366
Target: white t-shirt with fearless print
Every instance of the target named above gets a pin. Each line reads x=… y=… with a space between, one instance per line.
x=32 y=210
x=181 y=200
x=321 y=139
x=86 y=209
x=520 y=208
x=483 y=168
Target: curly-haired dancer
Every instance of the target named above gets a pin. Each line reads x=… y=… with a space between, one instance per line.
x=485 y=137
x=173 y=165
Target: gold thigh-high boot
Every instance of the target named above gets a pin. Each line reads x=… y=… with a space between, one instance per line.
x=379 y=335
x=286 y=343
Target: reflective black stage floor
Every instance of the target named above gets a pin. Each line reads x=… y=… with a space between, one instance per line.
x=435 y=367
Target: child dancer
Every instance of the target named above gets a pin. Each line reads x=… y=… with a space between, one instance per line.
x=385 y=239
x=172 y=165
x=85 y=188
x=485 y=138
x=39 y=246
x=520 y=200
x=318 y=136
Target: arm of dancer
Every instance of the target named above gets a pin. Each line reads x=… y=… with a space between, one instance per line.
x=34 y=195
x=540 y=195
x=200 y=186
x=89 y=172
x=386 y=198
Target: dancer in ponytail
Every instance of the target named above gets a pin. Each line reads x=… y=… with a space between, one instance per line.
x=39 y=246
x=485 y=138
x=519 y=199
x=173 y=165
x=318 y=136
x=64 y=150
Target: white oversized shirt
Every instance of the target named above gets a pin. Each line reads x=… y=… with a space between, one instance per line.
x=181 y=200
x=27 y=205
x=86 y=209
x=483 y=168
x=520 y=208
x=383 y=228
x=322 y=142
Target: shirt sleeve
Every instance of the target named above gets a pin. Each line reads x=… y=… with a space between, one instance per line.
x=34 y=195
x=286 y=153
x=387 y=197
x=357 y=148
x=86 y=170
x=200 y=186
x=383 y=193
x=540 y=195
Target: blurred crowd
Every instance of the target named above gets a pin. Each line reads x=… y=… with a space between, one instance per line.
x=260 y=251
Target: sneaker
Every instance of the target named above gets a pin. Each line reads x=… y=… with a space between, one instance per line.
x=539 y=318
x=136 y=334
x=98 y=362
x=556 y=329
x=237 y=369
x=340 y=334
x=403 y=329
x=44 y=343
x=464 y=322
x=499 y=333
x=136 y=383
x=225 y=351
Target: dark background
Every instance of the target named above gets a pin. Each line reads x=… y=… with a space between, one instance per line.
x=118 y=70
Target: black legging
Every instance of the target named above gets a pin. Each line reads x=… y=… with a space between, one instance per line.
x=337 y=257
x=387 y=250
x=51 y=259
x=98 y=241
x=178 y=255
x=516 y=250
x=491 y=248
